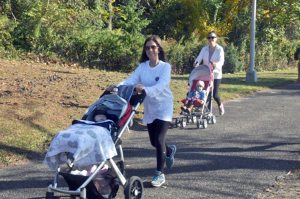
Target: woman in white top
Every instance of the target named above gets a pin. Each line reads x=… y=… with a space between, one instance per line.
x=153 y=75
x=213 y=55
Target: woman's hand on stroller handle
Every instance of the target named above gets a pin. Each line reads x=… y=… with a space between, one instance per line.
x=111 y=88
x=139 y=88
x=213 y=64
x=195 y=64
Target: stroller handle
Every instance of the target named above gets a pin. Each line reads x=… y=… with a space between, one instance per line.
x=137 y=97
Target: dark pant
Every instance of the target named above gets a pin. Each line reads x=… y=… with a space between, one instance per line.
x=157 y=133
x=216 y=96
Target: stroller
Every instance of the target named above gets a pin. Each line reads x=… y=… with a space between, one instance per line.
x=93 y=146
x=201 y=113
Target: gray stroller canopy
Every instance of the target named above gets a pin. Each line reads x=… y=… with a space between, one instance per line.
x=114 y=104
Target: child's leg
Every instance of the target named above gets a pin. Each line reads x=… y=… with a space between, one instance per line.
x=184 y=106
x=190 y=108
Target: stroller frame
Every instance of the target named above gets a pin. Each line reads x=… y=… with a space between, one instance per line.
x=133 y=187
x=201 y=116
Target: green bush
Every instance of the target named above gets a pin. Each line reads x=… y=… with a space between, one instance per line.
x=183 y=53
x=78 y=31
x=232 y=62
x=6 y=40
x=270 y=57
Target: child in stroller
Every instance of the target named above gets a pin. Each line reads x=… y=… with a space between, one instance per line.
x=197 y=110
x=89 y=145
x=195 y=97
x=99 y=116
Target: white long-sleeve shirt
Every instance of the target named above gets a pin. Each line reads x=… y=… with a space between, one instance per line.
x=217 y=57
x=158 y=103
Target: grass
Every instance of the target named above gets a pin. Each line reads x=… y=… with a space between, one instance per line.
x=38 y=100
x=235 y=85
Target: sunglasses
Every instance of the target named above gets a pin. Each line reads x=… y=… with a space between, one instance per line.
x=211 y=37
x=153 y=47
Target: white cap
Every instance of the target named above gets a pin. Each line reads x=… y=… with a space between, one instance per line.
x=201 y=83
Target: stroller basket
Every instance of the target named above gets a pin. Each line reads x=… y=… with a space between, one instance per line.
x=75 y=181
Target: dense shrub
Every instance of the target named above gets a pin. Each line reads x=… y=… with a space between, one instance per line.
x=110 y=34
x=79 y=33
x=270 y=58
x=6 y=40
x=232 y=62
x=182 y=54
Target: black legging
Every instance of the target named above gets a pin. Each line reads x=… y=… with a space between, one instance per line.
x=157 y=133
x=216 y=96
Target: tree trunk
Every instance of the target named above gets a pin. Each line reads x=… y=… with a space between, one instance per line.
x=110 y=9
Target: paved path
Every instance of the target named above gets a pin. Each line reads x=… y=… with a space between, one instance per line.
x=255 y=141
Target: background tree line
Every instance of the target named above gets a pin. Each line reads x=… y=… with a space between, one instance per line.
x=109 y=34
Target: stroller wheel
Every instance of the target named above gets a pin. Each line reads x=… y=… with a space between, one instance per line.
x=134 y=188
x=183 y=123
x=213 y=119
x=198 y=123
x=208 y=118
x=204 y=124
x=194 y=119
x=188 y=119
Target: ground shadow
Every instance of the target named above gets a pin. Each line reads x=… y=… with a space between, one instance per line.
x=31 y=155
x=211 y=162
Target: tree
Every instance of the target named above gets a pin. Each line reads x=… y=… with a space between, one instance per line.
x=179 y=18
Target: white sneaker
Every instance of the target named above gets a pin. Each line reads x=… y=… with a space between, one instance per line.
x=221 y=109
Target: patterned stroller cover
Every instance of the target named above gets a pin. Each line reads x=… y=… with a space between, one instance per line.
x=90 y=142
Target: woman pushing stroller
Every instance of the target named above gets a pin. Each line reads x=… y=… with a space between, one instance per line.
x=153 y=76
x=213 y=55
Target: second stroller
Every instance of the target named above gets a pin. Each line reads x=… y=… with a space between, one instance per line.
x=196 y=107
